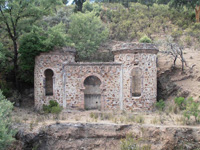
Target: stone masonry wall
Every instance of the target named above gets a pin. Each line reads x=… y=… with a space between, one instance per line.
x=108 y=73
x=147 y=64
x=53 y=61
x=116 y=78
x=142 y=56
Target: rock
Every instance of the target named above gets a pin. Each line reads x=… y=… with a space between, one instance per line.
x=165 y=86
x=79 y=136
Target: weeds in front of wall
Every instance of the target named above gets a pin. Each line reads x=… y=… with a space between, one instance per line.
x=131 y=118
x=155 y=120
x=34 y=123
x=63 y=116
x=106 y=116
x=181 y=120
x=139 y=119
x=132 y=143
x=94 y=115
x=115 y=120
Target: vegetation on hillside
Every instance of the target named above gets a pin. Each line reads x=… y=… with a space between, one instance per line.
x=6 y=131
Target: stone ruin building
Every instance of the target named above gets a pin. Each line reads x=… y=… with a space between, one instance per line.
x=128 y=83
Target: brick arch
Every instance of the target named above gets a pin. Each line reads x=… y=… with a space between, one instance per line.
x=82 y=87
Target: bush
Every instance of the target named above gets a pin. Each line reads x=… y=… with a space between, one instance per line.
x=53 y=107
x=192 y=109
x=5 y=89
x=180 y=101
x=86 y=32
x=35 y=42
x=6 y=132
x=145 y=39
x=56 y=109
x=160 y=105
x=129 y=143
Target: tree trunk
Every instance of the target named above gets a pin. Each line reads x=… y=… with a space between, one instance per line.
x=197 y=12
x=15 y=60
x=175 y=60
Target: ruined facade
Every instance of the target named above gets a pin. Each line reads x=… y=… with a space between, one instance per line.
x=128 y=83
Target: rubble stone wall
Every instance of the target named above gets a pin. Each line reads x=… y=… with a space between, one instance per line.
x=116 y=79
x=109 y=75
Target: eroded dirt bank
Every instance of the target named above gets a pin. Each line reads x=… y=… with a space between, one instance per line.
x=78 y=136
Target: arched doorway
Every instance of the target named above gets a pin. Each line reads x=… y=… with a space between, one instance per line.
x=92 y=93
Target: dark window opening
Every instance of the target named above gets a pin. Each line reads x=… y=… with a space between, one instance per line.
x=136 y=82
x=48 y=82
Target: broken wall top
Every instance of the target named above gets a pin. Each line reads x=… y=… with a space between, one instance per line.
x=135 y=48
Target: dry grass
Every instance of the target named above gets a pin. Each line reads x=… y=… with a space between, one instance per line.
x=35 y=120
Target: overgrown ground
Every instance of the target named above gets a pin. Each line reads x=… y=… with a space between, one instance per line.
x=27 y=119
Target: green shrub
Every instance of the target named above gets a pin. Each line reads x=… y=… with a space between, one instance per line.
x=56 y=109
x=86 y=32
x=53 y=107
x=180 y=101
x=37 y=41
x=192 y=109
x=177 y=33
x=188 y=41
x=6 y=132
x=160 y=105
x=5 y=89
x=53 y=103
x=129 y=143
x=145 y=39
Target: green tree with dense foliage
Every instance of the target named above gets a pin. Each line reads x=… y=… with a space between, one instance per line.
x=194 y=4
x=6 y=132
x=35 y=42
x=86 y=33
x=147 y=2
x=16 y=16
x=79 y=5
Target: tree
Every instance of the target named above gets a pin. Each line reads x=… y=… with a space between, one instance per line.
x=147 y=2
x=162 y=1
x=192 y=109
x=194 y=4
x=35 y=42
x=79 y=4
x=6 y=132
x=16 y=16
x=174 y=50
x=86 y=32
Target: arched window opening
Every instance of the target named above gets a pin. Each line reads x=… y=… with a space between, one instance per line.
x=92 y=93
x=48 y=82
x=136 y=83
